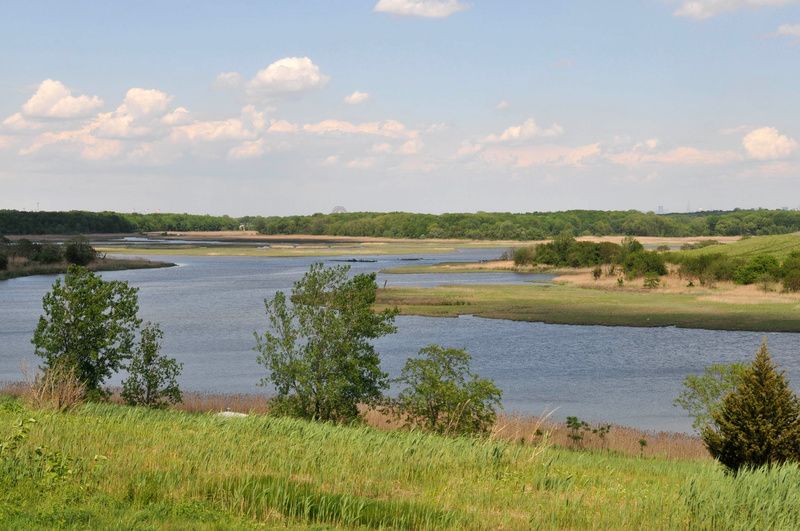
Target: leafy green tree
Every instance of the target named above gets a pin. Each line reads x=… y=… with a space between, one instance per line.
x=318 y=348
x=79 y=252
x=49 y=253
x=89 y=324
x=152 y=377
x=444 y=396
x=702 y=394
x=758 y=423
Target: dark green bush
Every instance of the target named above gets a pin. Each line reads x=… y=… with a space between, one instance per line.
x=756 y=268
x=791 y=281
x=79 y=252
x=3 y=262
x=49 y=253
x=640 y=263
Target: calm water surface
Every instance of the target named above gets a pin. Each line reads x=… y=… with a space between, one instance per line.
x=210 y=306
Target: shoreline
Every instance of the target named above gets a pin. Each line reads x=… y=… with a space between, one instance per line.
x=104 y=264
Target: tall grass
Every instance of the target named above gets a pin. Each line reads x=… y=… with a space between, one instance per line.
x=144 y=469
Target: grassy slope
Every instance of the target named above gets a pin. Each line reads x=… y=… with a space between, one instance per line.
x=565 y=304
x=184 y=471
x=780 y=246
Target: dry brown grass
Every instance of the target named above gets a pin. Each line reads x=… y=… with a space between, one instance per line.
x=56 y=388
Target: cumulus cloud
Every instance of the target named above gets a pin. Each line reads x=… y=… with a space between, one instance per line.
x=138 y=115
x=701 y=9
x=228 y=80
x=766 y=143
x=356 y=97
x=361 y=164
x=17 y=122
x=526 y=130
x=683 y=155
x=247 y=150
x=544 y=155
x=330 y=160
x=286 y=76
x=179 y=116
x=501 y=105
x=54 y=100
x=789 y=30
x=246 y=127
x=420 y=8
x=282 y=126
x=388 y=128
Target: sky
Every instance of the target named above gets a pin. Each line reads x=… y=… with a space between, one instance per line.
x=295 y=107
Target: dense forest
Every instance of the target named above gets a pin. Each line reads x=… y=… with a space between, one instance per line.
x=481 y=225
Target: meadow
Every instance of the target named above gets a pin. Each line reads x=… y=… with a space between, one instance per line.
x=105 y=465
x=778 y=246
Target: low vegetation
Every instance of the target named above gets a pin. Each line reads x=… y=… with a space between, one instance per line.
x=24 y=257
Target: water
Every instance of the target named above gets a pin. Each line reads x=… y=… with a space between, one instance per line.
x=209 y=308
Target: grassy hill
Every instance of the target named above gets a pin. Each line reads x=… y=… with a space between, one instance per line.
x=104 y=466
x=780 y=246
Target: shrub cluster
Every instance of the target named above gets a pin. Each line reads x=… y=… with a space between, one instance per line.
x=710 y=268
x=566 y=251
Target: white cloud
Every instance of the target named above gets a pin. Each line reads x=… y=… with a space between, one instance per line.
x=179 y=116
x=138 y=115
x=383 y=148
x=388 y=128
x=701 y=9
x=411 y=147
x=247 y=150
x=789 y=30
x=546 y=155
x=501 y=105
x=17 y=122
x=645 y=153
x=245 y=127
x=356 y=97
x=282 y=126
x=766 y=143
x=287 y=75
x=54 y=100
x=420 y=8
x=361 y=164
x=91 y=147
x=331 y=160
x=228 y=80
x=526 y=130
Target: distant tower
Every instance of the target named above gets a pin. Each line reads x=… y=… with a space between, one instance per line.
x=660 y=209
x=339 y=210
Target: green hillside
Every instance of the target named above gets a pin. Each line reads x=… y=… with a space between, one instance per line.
x=779 y=245
x=106 y=466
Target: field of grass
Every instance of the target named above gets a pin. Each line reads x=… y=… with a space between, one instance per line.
x=109 y=466
x=571 y=304
x=780 y=246
x=105 y=264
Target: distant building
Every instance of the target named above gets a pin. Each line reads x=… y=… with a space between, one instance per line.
x=339 y=210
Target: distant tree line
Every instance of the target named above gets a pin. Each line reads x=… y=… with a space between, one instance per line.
x=481 y=225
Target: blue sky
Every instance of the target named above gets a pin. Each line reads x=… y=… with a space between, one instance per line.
x=417 y=105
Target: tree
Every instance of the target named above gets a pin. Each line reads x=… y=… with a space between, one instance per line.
x=444 y=396
x=152 y=377
x=759 y=422
x=317 y=347
x=702 y=394
x=78 y=251
x=3 y=262
x=88 y=324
